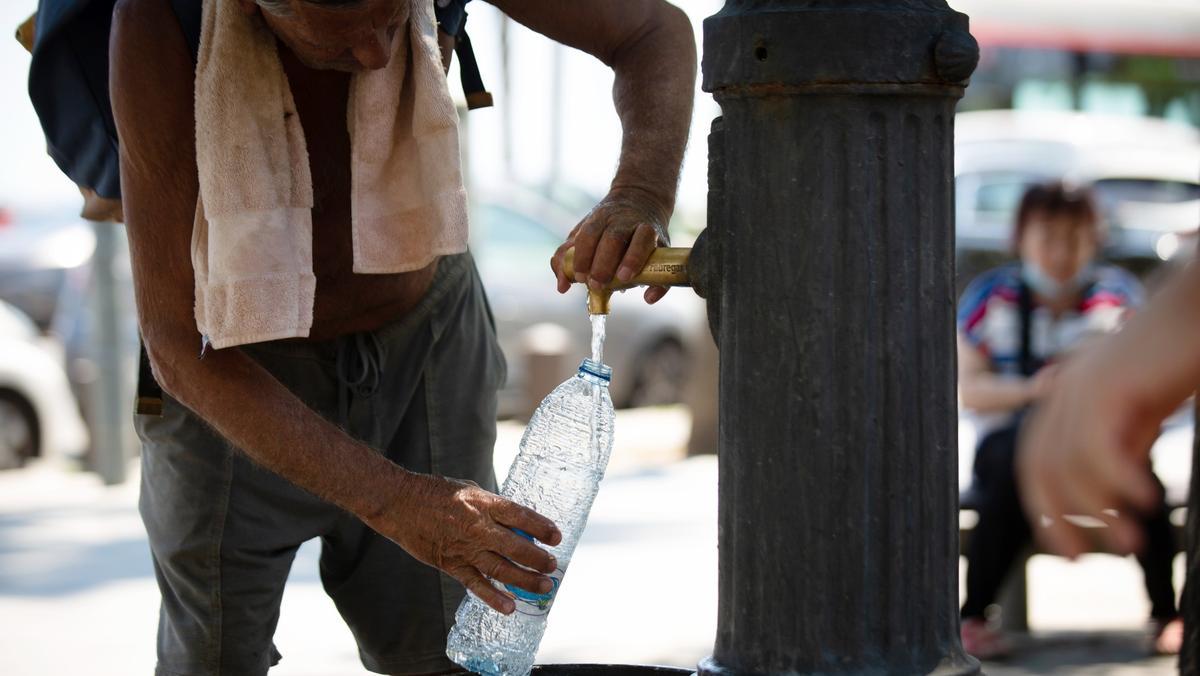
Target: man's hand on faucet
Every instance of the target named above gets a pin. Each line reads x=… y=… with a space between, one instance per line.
x=615 y=239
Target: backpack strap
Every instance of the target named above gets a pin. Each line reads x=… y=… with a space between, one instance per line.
x=1026 y=362
x=468 y=68
x=452 y=20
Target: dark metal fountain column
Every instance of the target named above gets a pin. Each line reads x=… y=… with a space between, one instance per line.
x=830 y=256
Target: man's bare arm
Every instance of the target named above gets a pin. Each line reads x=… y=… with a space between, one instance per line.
x=650 y=46
x=452 y=525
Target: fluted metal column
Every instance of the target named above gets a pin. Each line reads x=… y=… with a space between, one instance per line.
x=833 y=247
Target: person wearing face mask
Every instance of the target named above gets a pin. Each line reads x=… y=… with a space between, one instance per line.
x=1015 y=323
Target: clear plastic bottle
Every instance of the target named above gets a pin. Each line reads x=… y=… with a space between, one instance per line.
x=557 y=474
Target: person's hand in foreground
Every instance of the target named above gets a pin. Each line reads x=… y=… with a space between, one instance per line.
x=1085 y=451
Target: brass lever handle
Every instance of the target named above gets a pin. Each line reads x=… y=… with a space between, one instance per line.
x=667 y=266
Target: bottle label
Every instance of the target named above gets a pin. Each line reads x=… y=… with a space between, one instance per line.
x=530 y=603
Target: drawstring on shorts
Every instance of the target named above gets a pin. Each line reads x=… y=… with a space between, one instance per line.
x=359 y=369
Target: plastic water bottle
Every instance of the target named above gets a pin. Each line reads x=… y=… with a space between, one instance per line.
x=557 y=473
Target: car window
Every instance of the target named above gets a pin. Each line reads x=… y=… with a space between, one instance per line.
x=509 y=244
x=999 y=194
x=1112 y=190
x=506 y=229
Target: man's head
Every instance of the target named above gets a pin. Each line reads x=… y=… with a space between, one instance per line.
x=347 y=35
x=1057 y=231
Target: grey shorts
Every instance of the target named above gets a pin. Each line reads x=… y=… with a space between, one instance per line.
x=223 y=531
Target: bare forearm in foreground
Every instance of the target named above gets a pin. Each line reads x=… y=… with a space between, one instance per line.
x=1085 y=449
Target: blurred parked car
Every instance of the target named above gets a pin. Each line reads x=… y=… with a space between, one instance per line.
x=38 y=415
x=648 y=347
x=36 y=251
x=1143 y=172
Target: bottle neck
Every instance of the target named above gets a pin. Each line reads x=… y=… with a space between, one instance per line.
x=595 y=372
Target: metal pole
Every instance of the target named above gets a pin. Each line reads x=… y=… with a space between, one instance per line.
x=554 y=173
x=109 y=403
x=832 y=246
x=506 y=96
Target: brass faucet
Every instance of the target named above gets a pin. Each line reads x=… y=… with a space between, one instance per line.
x=667 y=266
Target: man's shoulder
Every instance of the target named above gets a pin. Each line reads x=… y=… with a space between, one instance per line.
x=148 y=57
x=151 y=78
x=130 y=14
x=147 y=28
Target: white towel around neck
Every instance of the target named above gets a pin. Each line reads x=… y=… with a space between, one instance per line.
x=252 y=238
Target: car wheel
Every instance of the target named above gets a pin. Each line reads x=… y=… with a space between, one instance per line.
x=661 y=375
x=18 y=431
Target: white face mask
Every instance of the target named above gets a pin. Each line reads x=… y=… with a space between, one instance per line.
x=1046 y=286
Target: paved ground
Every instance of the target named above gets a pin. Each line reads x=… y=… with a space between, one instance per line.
x=1079 y=653
x=77 y=594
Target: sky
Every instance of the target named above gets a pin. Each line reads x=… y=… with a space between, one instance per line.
x=590 y=138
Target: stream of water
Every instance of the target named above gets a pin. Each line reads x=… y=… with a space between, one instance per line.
x=598 y=322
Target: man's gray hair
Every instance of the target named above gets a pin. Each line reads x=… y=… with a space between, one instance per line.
x=283 y=7
x=277 y=7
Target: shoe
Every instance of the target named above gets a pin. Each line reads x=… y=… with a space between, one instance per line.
x=983 y=641
x=1167 y=637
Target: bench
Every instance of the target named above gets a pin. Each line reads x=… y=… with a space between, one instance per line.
x=1013 y=598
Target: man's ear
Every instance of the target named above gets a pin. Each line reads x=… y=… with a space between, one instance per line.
x=249 y=7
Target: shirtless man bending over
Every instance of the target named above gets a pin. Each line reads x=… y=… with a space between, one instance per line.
x=374 y=433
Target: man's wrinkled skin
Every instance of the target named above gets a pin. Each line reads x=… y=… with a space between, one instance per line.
x=1085 y=451
x=619 y=234
x=455 y=526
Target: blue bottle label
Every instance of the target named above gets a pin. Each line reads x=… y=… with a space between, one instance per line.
x=530 y=603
